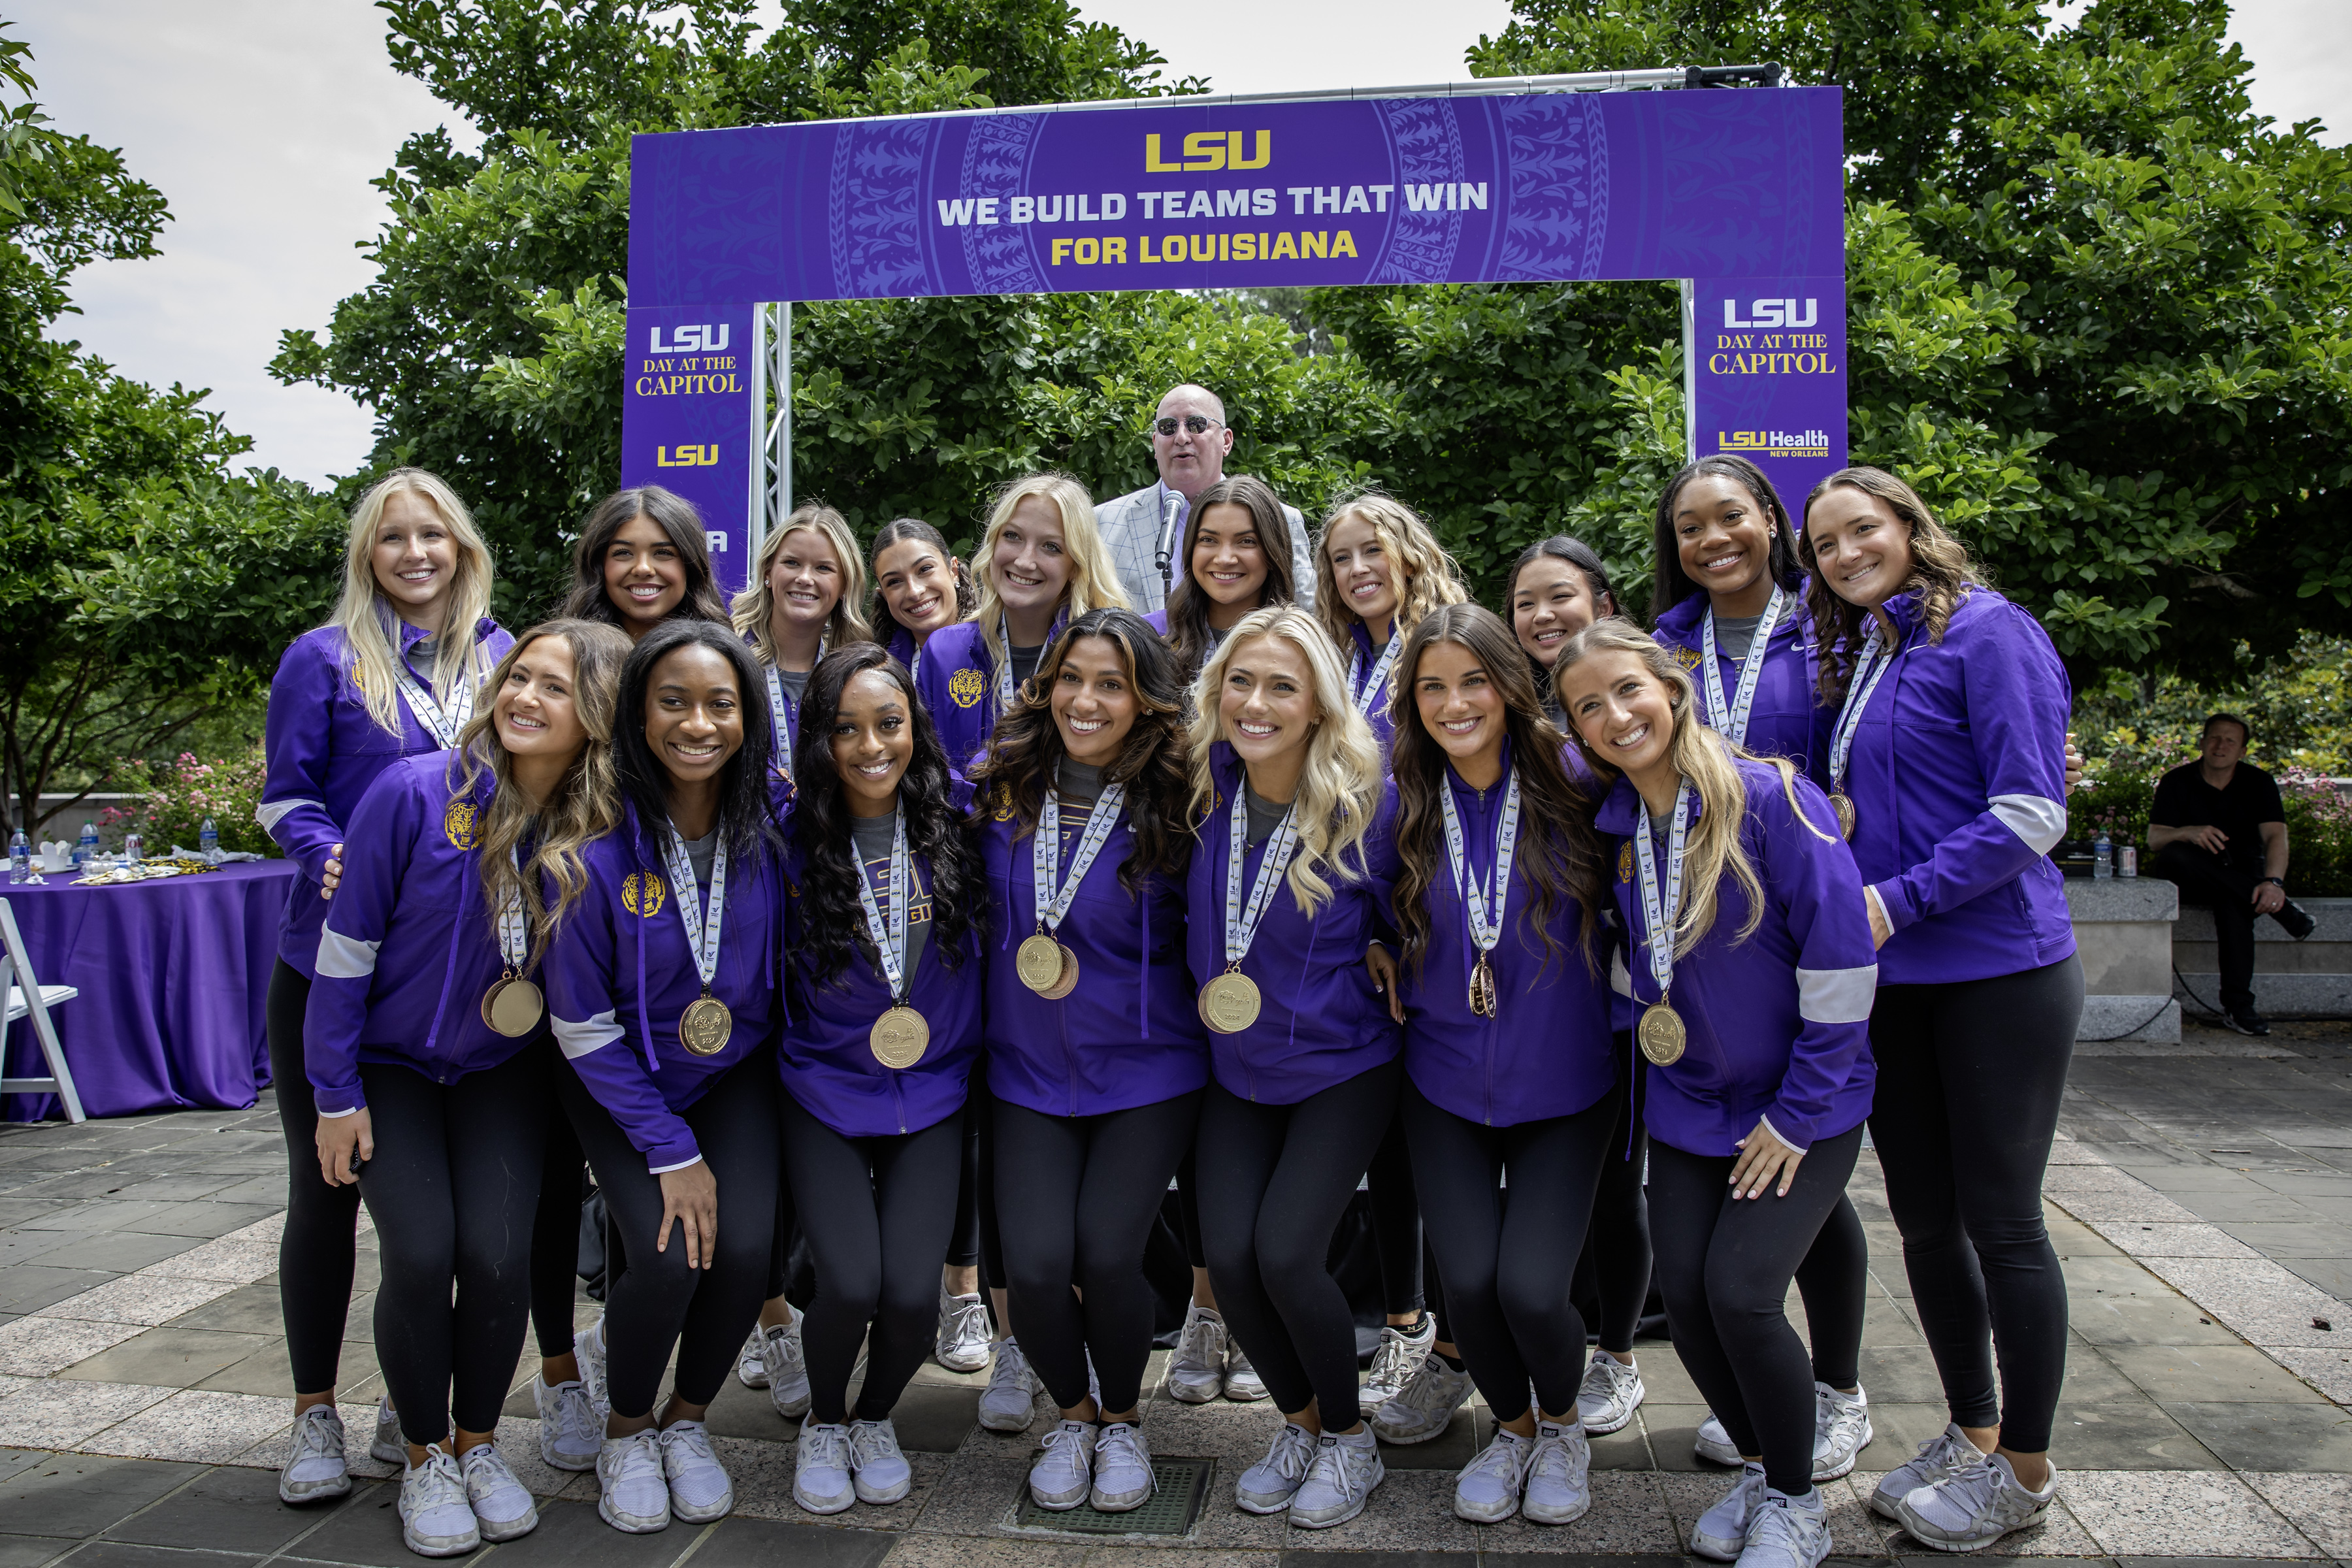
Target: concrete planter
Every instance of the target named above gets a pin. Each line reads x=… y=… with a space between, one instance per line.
x=2124 y=932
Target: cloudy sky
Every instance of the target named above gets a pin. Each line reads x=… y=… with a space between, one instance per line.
x=263 y=121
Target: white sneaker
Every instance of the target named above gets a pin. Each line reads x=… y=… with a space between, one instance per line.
x=1487 y=1490
x=1339 y=1483
x=435 y=1519
x=1426 y=1407
x=1721 y=1532
x=1610 y=1392
x=1400 y=1356
x=1196 y=1369
x=784 y=1367
x=821 y=1469
x=750 y=1368
x=387 y=1445
x=1714 y=1443
x=1063 y=1472
x=1009 y=1402
x=1841 y=1430
x=632 y=1493
x=314 y=1468
x=1787 y=1532
x=569 y=1435
x=1974 y=1507
x=700 y=1488
x=1558 y=1487
x=588 y=1350
x=1123 y=1475
x=502 y=1505
x=1937 y=1459
x=961 y=1343
x=1241 y=1381
x=1268 y=1486
x=876 y=1465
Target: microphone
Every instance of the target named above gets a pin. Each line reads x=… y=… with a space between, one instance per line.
x=1167 y=541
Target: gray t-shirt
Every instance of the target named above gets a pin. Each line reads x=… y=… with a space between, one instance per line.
x=795 y=682
x=1023 y=660
x=1264 y=815
x=1734 y=636
x=702 y=851
x=873 y=836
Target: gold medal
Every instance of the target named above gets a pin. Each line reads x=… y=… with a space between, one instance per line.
x=1662 y=1035
x=1069 y=977
x=1230 y=1003
x=899 y=1039
x=1481 y=988
x=513 y=1007
x=1039 y=962
x=1843 y=807
x=704 y=1025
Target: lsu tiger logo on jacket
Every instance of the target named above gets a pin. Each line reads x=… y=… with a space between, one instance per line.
x=643 y=894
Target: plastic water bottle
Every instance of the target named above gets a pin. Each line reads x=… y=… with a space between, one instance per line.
x=2103 y=856
x=20 y=857
x=85 y=849
x=132 y=847
x=208 y=843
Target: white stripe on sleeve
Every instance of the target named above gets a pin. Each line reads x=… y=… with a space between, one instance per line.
x=2037 y=819
x=578 y=1040
x=271 y=813
x=344 y=957
x=1836 y=995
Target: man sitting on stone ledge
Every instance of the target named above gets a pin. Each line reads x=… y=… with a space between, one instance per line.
x=2218 y=829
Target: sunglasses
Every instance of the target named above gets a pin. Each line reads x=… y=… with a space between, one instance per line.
x=1198 y=424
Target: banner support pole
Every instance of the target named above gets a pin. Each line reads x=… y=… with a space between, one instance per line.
x=1690 y=370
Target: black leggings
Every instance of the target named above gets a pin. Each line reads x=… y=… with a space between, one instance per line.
x=1724 y=1265
x=314 y=1255
x=877 y=1213
x=1273 y=1180
x=1834 y=1280
x=1970 y=1076
x=1621 y=1227
x=452 y=1186
x=1396 y=1221
x=657 y=1300
x=1080 y=1196
x=1507 y=1258
x=555 y=1228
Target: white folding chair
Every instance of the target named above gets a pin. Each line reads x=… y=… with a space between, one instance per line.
x=28 y=997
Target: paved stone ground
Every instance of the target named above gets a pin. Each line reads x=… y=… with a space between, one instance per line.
x=2201 y=1199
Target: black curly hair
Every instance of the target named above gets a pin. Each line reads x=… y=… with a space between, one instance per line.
x=1155 y=764
x=747 y=820
x=936 y=830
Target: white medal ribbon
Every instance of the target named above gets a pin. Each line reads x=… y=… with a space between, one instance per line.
x=1054 y=895
x=514 y=929
x=446 y=724
x=1484 y=905
x=1241 y=925
x=1371 y=686
x=1876 y=660
x=1731 y=722
x=786 y=713
x=702 y=921
x=1659 y=914
x=890 y=935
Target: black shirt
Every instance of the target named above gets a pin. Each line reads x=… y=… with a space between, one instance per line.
x=2183 y=799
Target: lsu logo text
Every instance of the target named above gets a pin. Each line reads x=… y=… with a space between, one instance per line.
x=967 y=686
x=643 y=894
x=695 y=340
x=457 y=824
x=687 y=457
x=1767 y=314
x=1625 y=861
x=1205 y=150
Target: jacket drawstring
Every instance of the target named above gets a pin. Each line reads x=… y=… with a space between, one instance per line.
x=644 y=1023
x=449 y=971
x=1143 y=968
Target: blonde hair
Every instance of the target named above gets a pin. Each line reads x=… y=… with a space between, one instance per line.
x=755 y=604
x=584 y=804
x=1424 y=574
x=1708 y=762
x=1340 y=786
x=370 y=626
x=1094 y=581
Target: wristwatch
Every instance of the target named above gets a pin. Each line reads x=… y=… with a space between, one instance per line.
x=2278 y=882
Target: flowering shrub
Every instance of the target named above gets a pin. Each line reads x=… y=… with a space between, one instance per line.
x=2119 y=791
x=2318 y=835
x=176 y=799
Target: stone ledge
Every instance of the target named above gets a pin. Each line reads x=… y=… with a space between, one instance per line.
x=2121 y=899
x=2334 y=916
x=2108 y=1018
x=2275 y=995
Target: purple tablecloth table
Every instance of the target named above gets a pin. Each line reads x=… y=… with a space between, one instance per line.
x=173 y=974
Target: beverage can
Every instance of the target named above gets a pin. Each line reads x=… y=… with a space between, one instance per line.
x=2131 y=860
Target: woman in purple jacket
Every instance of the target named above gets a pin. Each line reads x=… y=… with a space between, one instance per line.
x=1510 y=1071
x=884 y=979
x=1286 y=801
x=393 y=674
x=1096 y=1055
x=662 y=991
x=1752 y=961
x=1948 y=768
x=426 y=1053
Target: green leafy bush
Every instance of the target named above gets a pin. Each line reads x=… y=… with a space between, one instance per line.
x=176 y=797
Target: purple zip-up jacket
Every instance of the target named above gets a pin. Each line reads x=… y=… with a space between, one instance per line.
x=1786 y=719
x=1321 y=1023
x=1778 y=1024
x=958 y=686
x=620 y=973
x=408 y=949
x=1548 y=1050
x=827 y=1056
x=323 y=752
x=1130 y=1034
x=1959 y=780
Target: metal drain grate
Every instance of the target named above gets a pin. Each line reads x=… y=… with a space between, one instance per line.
x=1170 y=1511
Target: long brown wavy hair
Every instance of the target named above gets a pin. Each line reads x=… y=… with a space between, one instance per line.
x=1188 y=605
x=1155 y=765
x=584 y=803
x=1941 y=574
x=1558 y=850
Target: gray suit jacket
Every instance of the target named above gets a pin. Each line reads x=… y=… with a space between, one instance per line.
x=1130 y=526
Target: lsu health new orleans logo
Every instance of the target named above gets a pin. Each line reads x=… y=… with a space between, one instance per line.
x=967 y=686
x=643 y=894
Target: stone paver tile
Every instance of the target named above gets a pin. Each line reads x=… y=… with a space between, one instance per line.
x=957 y=1552
x=29 y=1286
x=976 y=1489
x=2205 y=1373
x=54 y=1415
x=39 y=1347
x=235 y=1262
x=2319 y=1506
x=2142 y=1205
x=142 y=1298
x=1629 y=1513
x=2328 y=1371
x=205 y=1429
x=2196 y=1514
x=2310 y=1436
x=2168 y=1241
x=270 y=1229
x=2259 y=1300
x=1129 y=1556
